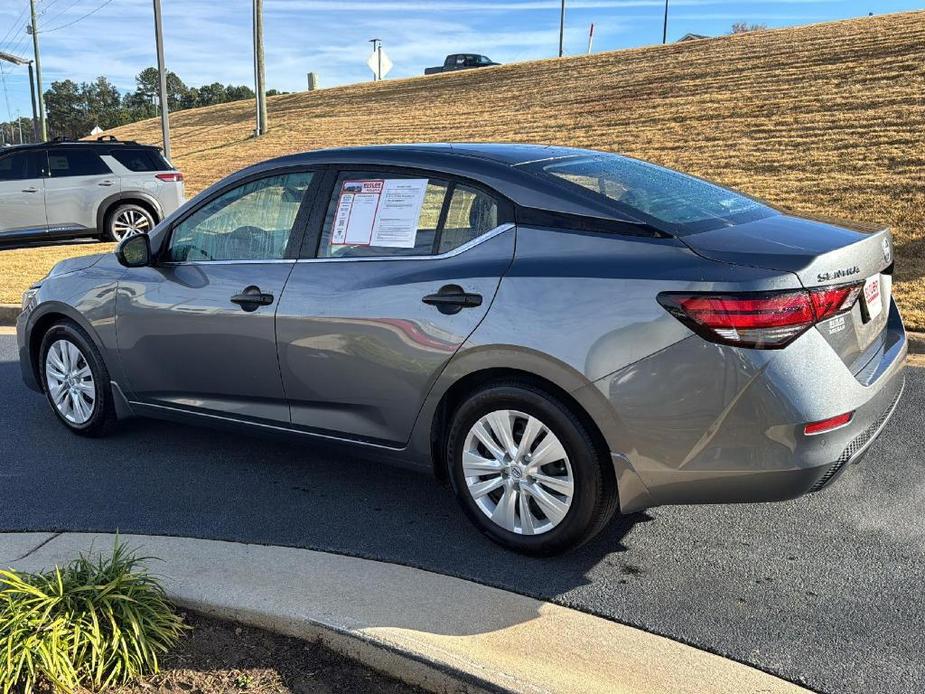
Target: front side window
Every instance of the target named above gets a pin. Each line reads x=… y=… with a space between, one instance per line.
x=683 y=203
x=377 y=215
x=19 y=166
x=69 y=161
x=253 y=221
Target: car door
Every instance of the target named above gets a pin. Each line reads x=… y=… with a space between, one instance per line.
x=382 y=301
x=196 y=328
x=77 y=181
x=22 y=195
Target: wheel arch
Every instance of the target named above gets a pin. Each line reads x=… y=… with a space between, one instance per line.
x=480 y=367
x=131 y=197
x=42 y=319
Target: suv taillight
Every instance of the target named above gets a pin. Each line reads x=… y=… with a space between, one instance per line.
x=763 y=320
x=169 y=177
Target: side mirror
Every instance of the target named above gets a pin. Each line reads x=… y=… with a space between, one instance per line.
x=134 y=251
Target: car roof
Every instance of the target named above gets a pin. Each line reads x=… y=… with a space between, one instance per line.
x=77 y=143
x=499 y=166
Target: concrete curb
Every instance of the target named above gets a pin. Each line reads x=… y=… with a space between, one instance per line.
x=9 y=313
x=438 y=632
x=916 y=343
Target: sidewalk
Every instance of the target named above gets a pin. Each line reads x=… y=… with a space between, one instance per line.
x=441 y=633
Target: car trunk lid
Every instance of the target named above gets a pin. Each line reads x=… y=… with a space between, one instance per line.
x=820 y=253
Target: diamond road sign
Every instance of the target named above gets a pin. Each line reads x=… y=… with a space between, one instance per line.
x=373 y=63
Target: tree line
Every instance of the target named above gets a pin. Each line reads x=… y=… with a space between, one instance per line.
x=73 y=110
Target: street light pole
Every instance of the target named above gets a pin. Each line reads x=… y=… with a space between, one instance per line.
x=35 y=117
x=162 y=78
x=561 y=27
x=16 y=60
x=665 y=25
x=43 y=128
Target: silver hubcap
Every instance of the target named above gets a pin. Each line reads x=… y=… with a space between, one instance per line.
x=131 y=222
x=70 y=382
x=517 y=472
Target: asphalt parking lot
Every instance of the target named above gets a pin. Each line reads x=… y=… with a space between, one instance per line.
x=826 y=590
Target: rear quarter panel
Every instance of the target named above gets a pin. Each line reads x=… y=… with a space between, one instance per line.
x=575 y=307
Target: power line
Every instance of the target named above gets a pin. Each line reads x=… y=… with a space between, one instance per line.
x=6 y=94
x=11 y=32
x=91 y=12
x=63 y=11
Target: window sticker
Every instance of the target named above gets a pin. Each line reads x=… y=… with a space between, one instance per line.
x=379 y=212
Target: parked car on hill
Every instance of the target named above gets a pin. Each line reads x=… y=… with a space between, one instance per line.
x=559 y=332
x=74 y=189
x=461 y=61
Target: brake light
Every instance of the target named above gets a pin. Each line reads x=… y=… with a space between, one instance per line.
x=764 y=320
x=829 y=424
x=170 y=177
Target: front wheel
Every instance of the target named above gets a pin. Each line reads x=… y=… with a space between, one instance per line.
x=76 y=381
x=526 y=470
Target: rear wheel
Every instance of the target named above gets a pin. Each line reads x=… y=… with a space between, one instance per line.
x=127 y=220
x=526 y=470
x=76 y=381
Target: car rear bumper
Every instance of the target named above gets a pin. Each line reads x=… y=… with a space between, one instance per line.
x=703 y=423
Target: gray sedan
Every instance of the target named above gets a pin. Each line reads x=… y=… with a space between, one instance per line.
x=560 y=333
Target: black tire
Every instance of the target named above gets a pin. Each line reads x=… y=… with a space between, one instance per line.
x=594 y=499
x=112 y=233
x=103 y=416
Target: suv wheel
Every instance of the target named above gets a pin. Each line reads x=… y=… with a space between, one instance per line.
x=526 y=470
x=76 y=380
x=127 y=220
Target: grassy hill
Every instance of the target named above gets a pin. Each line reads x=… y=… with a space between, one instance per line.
x=827 y=119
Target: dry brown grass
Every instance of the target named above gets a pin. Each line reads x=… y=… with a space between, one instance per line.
x=826 y=119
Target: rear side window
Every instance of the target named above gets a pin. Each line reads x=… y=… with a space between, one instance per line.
x=470 y=214
x=70 y=161
x=19 y=166
x=140 y=159
x=388 y=215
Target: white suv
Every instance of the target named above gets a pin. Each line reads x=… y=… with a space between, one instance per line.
x=70 y=189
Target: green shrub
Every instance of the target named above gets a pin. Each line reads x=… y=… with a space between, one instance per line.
x=91 y=624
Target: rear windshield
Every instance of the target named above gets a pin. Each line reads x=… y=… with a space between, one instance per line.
x=667 y=199
x=140 y=159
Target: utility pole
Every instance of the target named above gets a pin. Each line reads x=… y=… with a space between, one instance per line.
x=590 y=38
x=162 y=78
x=377 y=49
x=260 y=74
x=665 y=25
x=561 y=27
x=43 y=128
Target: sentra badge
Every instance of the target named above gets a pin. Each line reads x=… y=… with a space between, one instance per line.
x=837 y=274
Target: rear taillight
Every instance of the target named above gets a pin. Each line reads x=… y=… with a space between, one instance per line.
x=764 y=320
x=169 y=177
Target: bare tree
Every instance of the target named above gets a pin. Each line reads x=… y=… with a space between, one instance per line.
x=745 y=27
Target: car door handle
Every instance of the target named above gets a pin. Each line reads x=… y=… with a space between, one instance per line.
x=105 y=183
x=252 y=298
x=31 y=189
x=452 y=299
